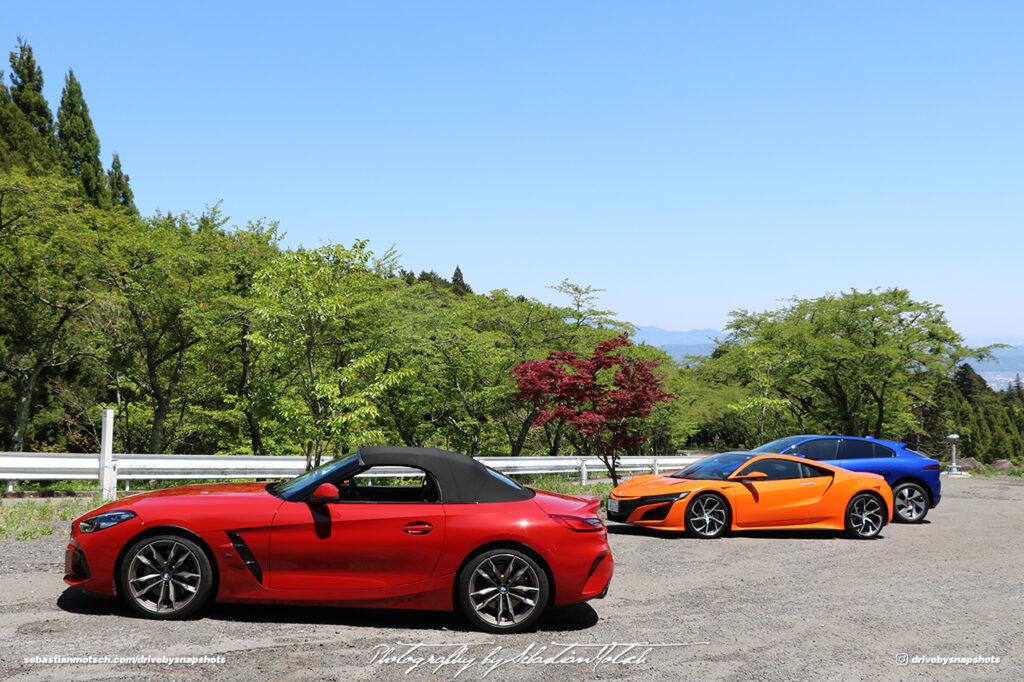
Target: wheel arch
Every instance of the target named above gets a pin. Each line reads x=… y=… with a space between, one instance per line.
x=168 y=530
x=910 y=478
x=507 y=544
x=874 y=493
x=710 y=491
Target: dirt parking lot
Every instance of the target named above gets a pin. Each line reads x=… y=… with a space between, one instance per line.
x=766 y=606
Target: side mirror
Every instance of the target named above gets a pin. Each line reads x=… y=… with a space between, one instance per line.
x=752 y=476
x=325 y=492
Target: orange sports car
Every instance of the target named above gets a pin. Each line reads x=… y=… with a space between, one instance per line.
x=750 y=490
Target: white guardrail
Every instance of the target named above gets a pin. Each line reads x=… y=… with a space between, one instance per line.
x=108 y=469
x=63 y=467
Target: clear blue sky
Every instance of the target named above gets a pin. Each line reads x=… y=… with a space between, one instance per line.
x=691 y=158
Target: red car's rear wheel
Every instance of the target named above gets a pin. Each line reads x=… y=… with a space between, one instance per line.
x=502 y=590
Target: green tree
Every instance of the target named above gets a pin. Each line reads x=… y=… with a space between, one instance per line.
x=459 y=285
x=79 y=144
x=120 y=189
x=313 y=309
x=46 y=277
x=21 y=145
x=234 y=362
x=854 y=363
x=27 y=90
x=165 y=284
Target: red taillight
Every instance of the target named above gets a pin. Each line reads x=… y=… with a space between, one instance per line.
x=580 y=524
x=932 y=467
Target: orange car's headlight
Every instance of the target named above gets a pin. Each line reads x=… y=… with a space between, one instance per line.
x=669 y=497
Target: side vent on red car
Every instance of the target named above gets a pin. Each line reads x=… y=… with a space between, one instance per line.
x=245 y=554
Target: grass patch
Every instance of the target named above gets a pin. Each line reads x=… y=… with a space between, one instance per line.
x=31 y=519
x=36 y=530
x=135 y=485
x=989 y=471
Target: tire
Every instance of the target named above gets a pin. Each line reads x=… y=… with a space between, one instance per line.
x=166 y=577
x=865 y=516
x=707 y=516
x=910 y=503
x=502 y=590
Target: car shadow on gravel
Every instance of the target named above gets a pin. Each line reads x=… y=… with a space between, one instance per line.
x=76 y=601
x=641 y=531
x=563 y=619
x=619 y=529
x=795 y=535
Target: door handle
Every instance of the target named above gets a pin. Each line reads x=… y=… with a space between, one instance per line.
x=417 y=528
x=808 y=483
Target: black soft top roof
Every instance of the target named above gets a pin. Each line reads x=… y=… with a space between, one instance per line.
x=462 y=479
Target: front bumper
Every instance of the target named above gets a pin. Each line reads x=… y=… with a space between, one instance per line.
x=641 y=509
x=76 y=568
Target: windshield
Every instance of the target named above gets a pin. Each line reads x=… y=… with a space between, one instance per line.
x=779 y=446
x=715 y=467
x=313 y=477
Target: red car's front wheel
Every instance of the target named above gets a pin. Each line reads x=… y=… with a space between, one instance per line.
x=166 y=576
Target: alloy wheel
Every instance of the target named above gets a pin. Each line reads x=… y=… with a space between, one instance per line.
x=504 y=590
x=164 y=576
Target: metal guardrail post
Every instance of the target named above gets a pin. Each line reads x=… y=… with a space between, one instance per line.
x=108 y=474
x=10 y=486
x=654 y=467
x=583 y=471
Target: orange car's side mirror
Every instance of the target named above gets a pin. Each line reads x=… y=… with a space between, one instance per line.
x=752 y=476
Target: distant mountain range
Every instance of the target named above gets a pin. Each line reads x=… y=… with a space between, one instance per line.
x=999 y=371
x=680 y=344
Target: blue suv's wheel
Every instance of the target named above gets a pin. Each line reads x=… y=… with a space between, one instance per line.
x=910 y=503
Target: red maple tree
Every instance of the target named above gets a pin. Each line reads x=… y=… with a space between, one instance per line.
x=603 y=397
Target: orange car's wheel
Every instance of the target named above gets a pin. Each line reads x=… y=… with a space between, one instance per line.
x=865 y=516
x=707 y=516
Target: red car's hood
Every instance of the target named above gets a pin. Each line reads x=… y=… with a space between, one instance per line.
x=202 y=507
x=207 y=489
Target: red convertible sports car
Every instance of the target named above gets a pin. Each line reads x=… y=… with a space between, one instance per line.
x=449 y=533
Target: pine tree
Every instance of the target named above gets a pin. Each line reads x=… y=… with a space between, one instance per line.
x=27 y=89
x=21 y=145
x=79 y=145
x=120 y=190
x=459 y=285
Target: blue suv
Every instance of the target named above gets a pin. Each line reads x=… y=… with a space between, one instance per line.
x=913 y=477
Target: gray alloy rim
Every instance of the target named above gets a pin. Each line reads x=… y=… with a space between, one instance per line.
x=866 y=516
x=503 y=590
x=164 y=576
x=910 y=503
x=707 y=516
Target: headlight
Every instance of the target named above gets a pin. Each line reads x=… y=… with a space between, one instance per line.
x=104 y=520
x=671 y=497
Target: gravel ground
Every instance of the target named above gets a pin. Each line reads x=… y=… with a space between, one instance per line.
x=766 y=606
